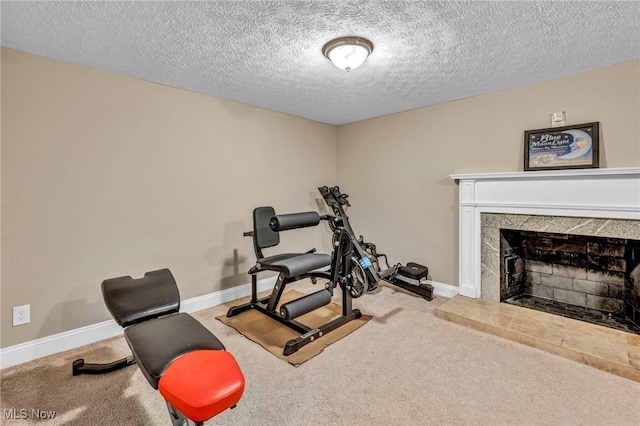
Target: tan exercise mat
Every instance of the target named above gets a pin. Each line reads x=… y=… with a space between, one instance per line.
x=272 y=335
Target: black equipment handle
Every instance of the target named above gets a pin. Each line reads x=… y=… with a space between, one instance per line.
x=284 y=222
x=335 y=199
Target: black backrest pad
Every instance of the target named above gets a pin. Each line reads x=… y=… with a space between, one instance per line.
x=284 y=222
x=263 y=235
x=131 y=301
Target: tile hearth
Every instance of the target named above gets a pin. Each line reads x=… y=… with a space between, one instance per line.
x=593 y=316
x=614 y=351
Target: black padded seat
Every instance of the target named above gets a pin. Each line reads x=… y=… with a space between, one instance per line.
x=289 y=264
x=277 y=258
x=156 y=344
x=296 y=264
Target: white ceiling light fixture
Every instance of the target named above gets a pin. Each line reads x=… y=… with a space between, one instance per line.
x=347 y=53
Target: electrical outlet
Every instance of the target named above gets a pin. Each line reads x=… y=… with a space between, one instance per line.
x=21 y=315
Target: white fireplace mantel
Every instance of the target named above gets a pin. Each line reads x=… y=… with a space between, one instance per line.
x=602 y=193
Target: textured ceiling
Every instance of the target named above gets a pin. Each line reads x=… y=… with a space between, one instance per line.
x=268 y=53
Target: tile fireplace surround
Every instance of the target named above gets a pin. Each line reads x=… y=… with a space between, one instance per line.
x=598 y=202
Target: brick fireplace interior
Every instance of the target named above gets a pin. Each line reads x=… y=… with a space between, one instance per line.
x=585 y=277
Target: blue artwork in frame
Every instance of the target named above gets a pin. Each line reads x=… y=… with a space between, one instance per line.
x=557 y=148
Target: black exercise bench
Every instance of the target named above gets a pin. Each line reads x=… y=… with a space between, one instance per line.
x=177 y=355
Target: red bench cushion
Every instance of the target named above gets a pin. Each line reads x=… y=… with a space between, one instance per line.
x=202 y=383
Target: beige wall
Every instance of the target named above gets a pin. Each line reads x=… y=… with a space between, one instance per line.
x=104 y=175
x=396 y=168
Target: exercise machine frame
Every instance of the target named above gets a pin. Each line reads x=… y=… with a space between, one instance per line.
x=366 y=256
x=338 y=274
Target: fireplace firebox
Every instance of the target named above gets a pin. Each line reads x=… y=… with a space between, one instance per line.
x=590 y=278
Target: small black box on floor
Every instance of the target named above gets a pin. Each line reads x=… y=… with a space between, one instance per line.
x=409 y=277
x=414 y=271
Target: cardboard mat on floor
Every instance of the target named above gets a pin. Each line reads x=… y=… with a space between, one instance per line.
x=272 y=335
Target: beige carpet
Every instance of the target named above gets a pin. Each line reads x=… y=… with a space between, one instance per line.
x=404 y=367
x=272 y=335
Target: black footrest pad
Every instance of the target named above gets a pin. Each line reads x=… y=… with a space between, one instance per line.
x=414 y=271
x=156 y=343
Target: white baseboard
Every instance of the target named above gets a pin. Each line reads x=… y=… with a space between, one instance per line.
x=469 y=290
x=210 y=300
x=444 y=290
x=28 y=351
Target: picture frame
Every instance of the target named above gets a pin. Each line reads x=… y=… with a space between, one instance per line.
x=559 y=148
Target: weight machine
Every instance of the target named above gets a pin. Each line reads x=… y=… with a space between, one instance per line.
x=294 y=267
x=367 y=272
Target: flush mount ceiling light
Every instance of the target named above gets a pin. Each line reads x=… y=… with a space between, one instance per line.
x=347 y=53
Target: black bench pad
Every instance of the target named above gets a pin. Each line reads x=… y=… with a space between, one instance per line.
x=155 y=344
x=135 y=300
x=296 y=265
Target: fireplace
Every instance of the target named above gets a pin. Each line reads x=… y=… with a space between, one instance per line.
x=599 y=203
x=583 y=277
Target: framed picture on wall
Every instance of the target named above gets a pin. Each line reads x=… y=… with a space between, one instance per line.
x=557 y=148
